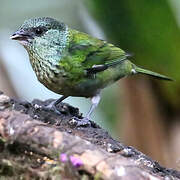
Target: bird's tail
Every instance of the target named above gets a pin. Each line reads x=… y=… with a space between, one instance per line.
x=151 y=73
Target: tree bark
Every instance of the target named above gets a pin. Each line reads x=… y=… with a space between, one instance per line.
x=40 y=144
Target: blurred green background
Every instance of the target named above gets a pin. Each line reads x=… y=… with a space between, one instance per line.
x=139 y=111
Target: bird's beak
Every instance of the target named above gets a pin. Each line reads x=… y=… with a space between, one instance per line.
x=23 y=37
x=19 y=35
x=15 y=36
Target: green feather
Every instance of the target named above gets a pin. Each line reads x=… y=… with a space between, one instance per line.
x=96 y=51
x=151 y=73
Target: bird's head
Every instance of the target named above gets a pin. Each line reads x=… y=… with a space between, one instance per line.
x=42 y=32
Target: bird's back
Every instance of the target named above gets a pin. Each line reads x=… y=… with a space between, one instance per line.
x=84 y=53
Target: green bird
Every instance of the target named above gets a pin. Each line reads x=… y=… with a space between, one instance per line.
x=73 y=63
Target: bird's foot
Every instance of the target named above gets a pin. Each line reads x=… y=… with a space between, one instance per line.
x=85 y=122
x=51 y=107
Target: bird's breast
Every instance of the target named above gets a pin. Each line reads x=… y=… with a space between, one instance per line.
x=48 y=73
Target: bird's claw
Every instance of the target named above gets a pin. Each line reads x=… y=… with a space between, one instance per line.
x=51 y=108
x=74 y=121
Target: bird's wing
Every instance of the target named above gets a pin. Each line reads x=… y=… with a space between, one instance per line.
x=96 y=55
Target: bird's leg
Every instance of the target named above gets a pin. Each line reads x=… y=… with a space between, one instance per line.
x=86 y=120
x=53 y=104
x=95 y=101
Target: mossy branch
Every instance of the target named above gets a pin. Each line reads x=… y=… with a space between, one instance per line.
x=35 y=144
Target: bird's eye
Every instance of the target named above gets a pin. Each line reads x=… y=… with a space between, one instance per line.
x=39 y=31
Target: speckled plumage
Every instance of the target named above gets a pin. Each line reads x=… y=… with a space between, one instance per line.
x=73 y=63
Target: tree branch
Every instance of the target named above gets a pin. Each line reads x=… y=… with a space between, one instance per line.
x=35 y=143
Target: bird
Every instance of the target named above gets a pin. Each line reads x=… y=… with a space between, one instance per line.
x=73 y=63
